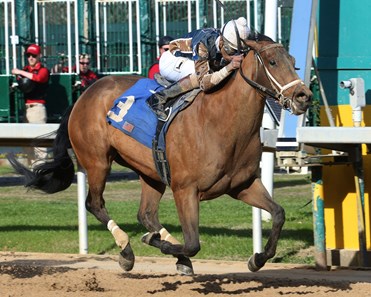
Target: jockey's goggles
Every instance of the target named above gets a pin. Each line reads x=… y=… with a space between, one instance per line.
x=229 y=48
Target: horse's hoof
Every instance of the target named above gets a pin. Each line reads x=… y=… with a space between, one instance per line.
x=252 y=265
x=184 y=266
x=127 y=258
x=184 y=269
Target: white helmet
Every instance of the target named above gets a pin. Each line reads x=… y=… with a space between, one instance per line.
x=230 y=29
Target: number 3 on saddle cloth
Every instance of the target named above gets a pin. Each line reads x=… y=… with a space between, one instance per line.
x=131 y=113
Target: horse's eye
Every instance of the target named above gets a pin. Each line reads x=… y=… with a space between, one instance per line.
x=272 y=62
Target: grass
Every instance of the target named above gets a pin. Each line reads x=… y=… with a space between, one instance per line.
x=35 y=222
x=5 y=170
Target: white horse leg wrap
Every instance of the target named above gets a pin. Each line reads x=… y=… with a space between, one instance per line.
x=165 y=235
x=121 y=238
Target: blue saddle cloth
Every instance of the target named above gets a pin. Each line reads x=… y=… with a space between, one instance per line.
x=132 y=115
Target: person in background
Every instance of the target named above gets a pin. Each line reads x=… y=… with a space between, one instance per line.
x=163 y=45
x=87 y=76
x=202 y=59
x=58 y=68
x=33 y=82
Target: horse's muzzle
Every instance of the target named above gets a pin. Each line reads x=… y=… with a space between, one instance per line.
x=302 y=99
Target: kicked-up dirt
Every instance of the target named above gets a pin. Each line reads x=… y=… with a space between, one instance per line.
x=48 y=275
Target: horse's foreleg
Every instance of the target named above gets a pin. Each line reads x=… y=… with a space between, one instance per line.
x=256 y=195
x=95 y=205
x=158 y=236
x=187 y=204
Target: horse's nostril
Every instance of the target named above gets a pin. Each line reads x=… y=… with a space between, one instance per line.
x=304 y=97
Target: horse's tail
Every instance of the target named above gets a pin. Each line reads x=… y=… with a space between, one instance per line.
x=55 y=174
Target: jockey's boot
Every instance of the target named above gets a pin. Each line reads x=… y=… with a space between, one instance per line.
x=182 y=86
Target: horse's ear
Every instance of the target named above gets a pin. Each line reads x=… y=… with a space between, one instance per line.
x=293 y=61
x=245 y=48
x=250 y=44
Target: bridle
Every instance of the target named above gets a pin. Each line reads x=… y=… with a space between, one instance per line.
x=278 y=89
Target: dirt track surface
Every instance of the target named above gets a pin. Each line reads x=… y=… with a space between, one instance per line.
x=46 y=275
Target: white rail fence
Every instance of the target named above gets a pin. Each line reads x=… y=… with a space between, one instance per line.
x=24 y=135
x=17 y=135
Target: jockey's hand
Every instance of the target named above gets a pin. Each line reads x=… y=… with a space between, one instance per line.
x=235 y=62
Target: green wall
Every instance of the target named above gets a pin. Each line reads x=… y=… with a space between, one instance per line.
x=344 y=46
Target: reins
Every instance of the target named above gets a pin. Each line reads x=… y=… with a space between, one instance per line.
x=276 y=94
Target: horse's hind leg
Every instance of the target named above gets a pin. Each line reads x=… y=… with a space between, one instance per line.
x=148 y=216
x=256 y=195
x=95 y=204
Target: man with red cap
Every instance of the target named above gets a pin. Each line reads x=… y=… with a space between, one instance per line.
x=33 y=82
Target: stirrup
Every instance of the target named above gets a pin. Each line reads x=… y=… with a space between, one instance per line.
x=162 y=115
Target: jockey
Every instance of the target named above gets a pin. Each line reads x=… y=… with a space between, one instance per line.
x=202 y=59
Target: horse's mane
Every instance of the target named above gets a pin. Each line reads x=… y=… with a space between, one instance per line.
x=256 y=36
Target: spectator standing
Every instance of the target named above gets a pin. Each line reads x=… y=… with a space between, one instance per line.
x=87 y=76
x=58 y=68
x=33 y=82
x=163 y=45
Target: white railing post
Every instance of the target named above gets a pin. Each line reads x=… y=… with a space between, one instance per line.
x=83 y=223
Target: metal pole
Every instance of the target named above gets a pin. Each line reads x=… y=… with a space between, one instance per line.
x=157 y=18
x=279 y=24
x=164 y=19
x=83 y=224
x=44 y=43
x=197 y=15
x=79 y=13
x=15 y=39
x=36 y=20
x=130 y=26
x=267 y=162
x=105 y=35
x=270 y=19
x=69 y=39
x=97 y=32
x=6 y=22
x=257 y=230
x=215 y=17
x=222 y=21
x=360 y=188
x=318 y=219
x=139 y=40
x=256 y=15
x=189 y=13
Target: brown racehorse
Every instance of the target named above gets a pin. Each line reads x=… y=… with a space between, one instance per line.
x=213 y=148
